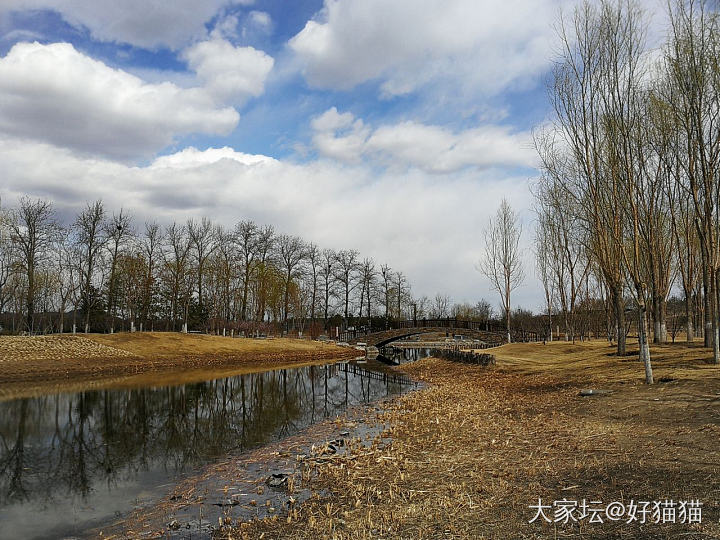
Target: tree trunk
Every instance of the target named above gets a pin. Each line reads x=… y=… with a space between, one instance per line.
x=660 y=312
x=643 y=341
x=30 y=304
x=619 y=307
x=707 y=312
x=61 y=322
x=663 y=321
x=507 y=313
x=246 y=286
x=714 y=316
x=689 y=315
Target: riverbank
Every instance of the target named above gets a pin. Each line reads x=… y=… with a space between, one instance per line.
x=474 y=451
x=33 y=365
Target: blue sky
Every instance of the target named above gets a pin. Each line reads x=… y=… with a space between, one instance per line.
x=391 y=127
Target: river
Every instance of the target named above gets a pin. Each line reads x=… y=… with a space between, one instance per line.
x=74 y=461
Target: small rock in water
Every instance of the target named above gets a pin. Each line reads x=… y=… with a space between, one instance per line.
x=227 y=502
x=277 y=480
x=174 y=525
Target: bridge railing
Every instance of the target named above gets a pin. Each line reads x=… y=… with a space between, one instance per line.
x=516 y=335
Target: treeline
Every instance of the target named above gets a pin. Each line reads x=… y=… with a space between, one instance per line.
x=628 y=201
x=103 y=272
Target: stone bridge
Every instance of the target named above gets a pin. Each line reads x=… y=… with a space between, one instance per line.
x=379 y=339
x=491 y=334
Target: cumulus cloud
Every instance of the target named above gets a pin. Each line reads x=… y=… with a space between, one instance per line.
x=192 y=157
x=403 y=218
x=144 y=23
x=56 y=94
x=230 y=74
x=433 y=149
x=482 y=44
x=340 y=136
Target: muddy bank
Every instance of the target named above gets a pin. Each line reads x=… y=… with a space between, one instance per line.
x=264 y=484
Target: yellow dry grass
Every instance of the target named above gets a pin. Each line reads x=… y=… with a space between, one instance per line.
x=472 y=452
x=596 y=360
x=172 y=344
x=36 y=365
x=30 y=348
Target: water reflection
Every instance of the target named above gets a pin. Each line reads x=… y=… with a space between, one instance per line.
x=70 y=461
x=400 y=355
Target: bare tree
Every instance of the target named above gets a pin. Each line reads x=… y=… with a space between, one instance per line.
x=327 y=273
x=225 y=264
x=313 y=257
x=695 y=82
x=6 y=258
x=152 y=251
x=401 y=290
x=246 y=237
x=543 y=243
x=441 y=306
x=367 y=283
x=578 y=102
x=176 y=271
x=204 y=242
x=67 y=275
x=604 y=166
x=118 y=231
x=386 y=274
x=90 y=237
x=263 y=258
x=345 y=273
x=291 y=253
x=502 y=264
x=33 y=229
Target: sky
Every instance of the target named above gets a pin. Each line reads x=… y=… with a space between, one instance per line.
x=390 y=127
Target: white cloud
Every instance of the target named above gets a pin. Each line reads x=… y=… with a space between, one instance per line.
x=192 y=157
x=403 y=218
x=482 y=44
x=340 y=136
x=431 y=148
x=225 y=28
x=260 y=20
x=56 y=94
x=144 y=23
x=332 y=120
x=230 y=74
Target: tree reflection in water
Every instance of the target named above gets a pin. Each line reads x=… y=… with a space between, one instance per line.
x=59 y=454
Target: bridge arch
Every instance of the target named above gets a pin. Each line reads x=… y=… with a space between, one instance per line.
x=383 y=338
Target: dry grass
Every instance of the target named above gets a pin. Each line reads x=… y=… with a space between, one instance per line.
x=174 y=344
x=596 y=361
x=27 y=349
x=35 y=365
x=474 y=450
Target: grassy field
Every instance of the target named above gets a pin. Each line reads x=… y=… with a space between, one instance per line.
x=37 y=364
x=471 y=453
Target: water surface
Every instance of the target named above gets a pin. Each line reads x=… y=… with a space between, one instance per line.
x=73 y=461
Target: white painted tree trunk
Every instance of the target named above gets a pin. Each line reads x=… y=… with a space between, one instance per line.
x=643 y=343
